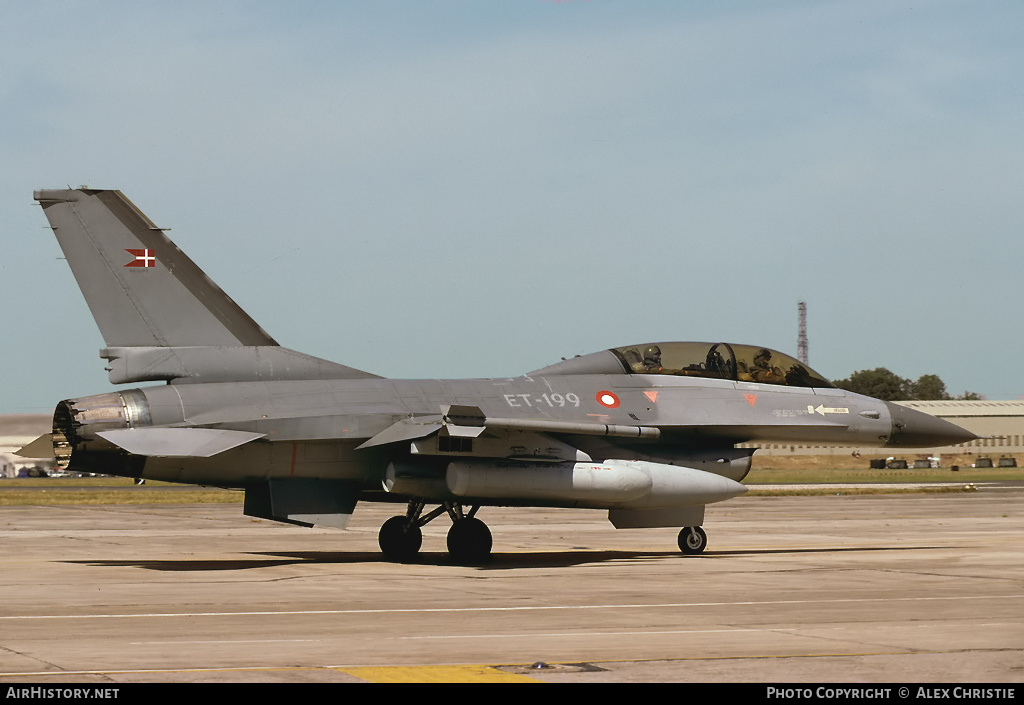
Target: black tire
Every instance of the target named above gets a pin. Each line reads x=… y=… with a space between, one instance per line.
x=692 y=540
x=469 y=541
x=398 y=541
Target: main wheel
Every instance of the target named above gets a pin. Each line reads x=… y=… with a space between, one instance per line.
x=469 y=541
x=398 y=540
x=692 y=540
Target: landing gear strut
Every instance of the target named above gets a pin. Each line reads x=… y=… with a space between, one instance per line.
x=692 y=540
x=469 y=539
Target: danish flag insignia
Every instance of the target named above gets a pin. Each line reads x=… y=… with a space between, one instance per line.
x=143 y=258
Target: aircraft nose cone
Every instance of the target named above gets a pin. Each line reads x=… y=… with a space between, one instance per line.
x=916 y=429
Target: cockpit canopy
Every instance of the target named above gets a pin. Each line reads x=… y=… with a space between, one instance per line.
x=728 y=361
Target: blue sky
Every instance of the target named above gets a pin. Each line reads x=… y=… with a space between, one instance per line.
x=474 y=189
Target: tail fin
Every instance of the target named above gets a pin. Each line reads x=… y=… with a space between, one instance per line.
x=161 y=317
x=142 y=290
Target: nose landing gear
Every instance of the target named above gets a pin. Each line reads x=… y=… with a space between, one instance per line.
x=692 y=540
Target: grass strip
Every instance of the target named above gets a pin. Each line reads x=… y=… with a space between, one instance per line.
x=108 y=490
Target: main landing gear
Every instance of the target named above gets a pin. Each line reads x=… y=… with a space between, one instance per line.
x=469 y=539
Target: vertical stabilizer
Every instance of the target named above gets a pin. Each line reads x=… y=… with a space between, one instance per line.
x=142 y=290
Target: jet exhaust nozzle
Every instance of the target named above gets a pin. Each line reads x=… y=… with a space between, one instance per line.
x=77 y=422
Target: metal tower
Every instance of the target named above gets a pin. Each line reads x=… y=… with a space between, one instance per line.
x=801 y=339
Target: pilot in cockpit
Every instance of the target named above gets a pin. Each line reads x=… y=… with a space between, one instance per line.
x=763 y=371
x=652 y=359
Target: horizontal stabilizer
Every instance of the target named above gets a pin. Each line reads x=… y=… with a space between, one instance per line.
x=178 y=442
x=41 y=447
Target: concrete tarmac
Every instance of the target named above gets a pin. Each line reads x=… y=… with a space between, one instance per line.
x=883 y=588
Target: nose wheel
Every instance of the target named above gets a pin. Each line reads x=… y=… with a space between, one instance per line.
x=692 y=540
x=469 y=539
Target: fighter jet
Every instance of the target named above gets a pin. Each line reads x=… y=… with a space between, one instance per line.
x=648 y=432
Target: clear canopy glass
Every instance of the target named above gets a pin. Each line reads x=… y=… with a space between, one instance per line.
x=741 y=363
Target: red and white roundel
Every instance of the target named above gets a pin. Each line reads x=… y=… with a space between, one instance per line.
x=608 y=399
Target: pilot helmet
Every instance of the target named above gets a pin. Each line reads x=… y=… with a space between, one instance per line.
x=652 y=353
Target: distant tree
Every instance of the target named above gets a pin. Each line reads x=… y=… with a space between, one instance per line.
x=970 y=396
x=888 y=386
x=928 y=387
x=879 y=383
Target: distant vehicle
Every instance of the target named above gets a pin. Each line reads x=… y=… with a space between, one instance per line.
x=32 y=472
x=647 y=432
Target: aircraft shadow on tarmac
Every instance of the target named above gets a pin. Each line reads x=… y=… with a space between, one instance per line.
x=497 y=561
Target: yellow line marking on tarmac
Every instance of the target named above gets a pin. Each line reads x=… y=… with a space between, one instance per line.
x=436 y=674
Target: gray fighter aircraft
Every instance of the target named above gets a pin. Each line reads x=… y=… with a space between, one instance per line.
x=648 y=431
